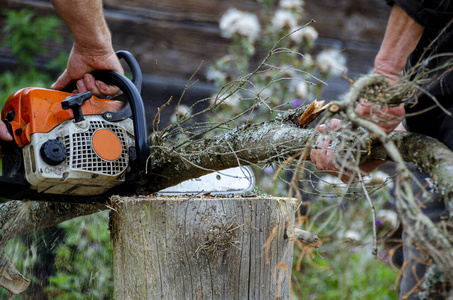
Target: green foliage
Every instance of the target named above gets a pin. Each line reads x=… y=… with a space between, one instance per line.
x=84 y=261
x=343 y=266
x=338 y=213
x=288 y=79
x=79 y=255
x=11 y=82
x=25 y=33
x=344 y=274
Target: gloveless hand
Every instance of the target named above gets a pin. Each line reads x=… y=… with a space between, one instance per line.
x=81 y=63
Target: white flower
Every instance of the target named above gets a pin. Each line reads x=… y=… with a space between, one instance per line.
x=332 y=61
x=241 y=23
x=329 y=181
x=310 y=33
x=214 y=74
x=183 y=109
x=378 y=178
x=233 y=101
x=352 y=235
x=291 y=4
x=388 y=217
x=284 y=19
x=287 y=71
x=265 y=93
x=301 y=89
x=308 y=60
x=307 y=33
x=181 y=112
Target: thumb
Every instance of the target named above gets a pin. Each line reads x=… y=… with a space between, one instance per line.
x=62 y=81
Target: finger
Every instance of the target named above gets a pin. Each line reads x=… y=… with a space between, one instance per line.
x=324 y=141
x=334 y=124
x=99 y=88
x=105 y=89
x=91 y=86
x=322 y=128
x=322 y=157
x=4 y=134
x=81 y=87
x=313 y=156
x=61 y=82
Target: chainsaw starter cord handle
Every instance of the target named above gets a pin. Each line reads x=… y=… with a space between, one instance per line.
x=75 y=102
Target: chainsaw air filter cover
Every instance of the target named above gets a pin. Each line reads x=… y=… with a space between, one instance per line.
x=83 y=171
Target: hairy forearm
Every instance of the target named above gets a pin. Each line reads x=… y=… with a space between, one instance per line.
x=401 y=38
x=86 y=20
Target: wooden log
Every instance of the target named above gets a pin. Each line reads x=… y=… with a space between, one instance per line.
x=202 y=248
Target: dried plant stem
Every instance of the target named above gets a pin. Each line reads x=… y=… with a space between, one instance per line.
x=374 y=250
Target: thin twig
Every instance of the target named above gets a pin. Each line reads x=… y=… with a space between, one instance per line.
x=374 y=251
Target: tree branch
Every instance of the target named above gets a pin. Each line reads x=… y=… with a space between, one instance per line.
x=250 y=144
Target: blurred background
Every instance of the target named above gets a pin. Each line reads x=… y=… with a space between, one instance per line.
x=170 y=39
x=174 y=40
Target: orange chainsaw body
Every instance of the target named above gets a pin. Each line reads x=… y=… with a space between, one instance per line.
x=38 y=110
x=75 y=147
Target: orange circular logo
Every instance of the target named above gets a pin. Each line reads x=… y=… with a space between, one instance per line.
x=106 y=144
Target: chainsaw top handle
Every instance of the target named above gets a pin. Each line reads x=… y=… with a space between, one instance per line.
x=133 y=97
x=133 y=66
x=131 y=91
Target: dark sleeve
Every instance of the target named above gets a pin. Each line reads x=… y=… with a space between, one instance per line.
x=433 y=14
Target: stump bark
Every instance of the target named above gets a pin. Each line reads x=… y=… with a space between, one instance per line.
x=202 y=248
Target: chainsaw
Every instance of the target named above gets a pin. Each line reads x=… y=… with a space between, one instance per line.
x=74 y=147
x=79 y=148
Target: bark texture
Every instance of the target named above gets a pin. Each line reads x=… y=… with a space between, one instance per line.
x=257 y=143
x=202 y=248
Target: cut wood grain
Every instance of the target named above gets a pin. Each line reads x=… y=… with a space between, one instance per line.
x=202 y=248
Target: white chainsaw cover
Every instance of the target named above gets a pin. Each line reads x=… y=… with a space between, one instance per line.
x=83 y=172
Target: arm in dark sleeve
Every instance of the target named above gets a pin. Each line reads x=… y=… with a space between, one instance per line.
x=430 y=14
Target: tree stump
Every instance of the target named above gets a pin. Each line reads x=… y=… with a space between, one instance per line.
x=202 y=247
